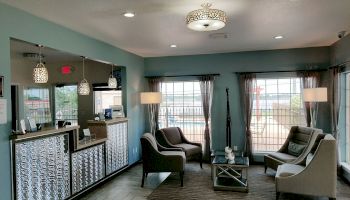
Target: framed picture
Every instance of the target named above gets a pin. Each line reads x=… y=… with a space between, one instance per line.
x=1 y=86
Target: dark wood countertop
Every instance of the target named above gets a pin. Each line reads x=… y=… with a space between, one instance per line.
x=50 y=131
x=107 y=122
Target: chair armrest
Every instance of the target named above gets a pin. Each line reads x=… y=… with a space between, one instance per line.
x=184 y=140
x=162 y=148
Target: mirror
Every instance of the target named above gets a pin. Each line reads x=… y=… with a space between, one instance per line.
x=57 y=100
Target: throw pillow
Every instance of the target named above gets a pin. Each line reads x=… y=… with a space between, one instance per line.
x=295 y=149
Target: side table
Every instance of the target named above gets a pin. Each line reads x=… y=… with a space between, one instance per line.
x=230 y=175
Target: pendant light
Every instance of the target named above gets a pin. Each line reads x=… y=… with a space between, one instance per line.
x=40 y=73
x=84 y=88
x=112 y=81
x=206 y=19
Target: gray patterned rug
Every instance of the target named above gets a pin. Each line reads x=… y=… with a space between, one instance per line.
x=198 y=185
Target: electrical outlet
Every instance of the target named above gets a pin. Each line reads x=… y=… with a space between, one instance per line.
x=235 y=148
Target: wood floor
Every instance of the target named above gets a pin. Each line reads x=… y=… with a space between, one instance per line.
x=126 y=186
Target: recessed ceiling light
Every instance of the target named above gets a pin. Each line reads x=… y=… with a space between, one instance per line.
x=173 y=46
x=129 y=14
x=278 y=37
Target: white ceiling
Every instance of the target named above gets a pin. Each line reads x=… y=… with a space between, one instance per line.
x=252 y=24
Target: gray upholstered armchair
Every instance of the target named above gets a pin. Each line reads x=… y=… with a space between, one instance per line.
x=160 y=159
x=317 y=177
x=173 y=137
x=295 y=149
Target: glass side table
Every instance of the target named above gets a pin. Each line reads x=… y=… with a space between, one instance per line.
x=230 y=175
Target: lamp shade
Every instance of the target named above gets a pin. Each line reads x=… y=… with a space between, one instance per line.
x=40 y=73
x=315 y=94
x=112 y=82
x=84 y=88
x=151 y=97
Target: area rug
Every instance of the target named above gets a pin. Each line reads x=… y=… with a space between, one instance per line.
x=198 y=185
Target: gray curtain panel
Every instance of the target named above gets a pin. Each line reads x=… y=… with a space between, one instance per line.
x=310 y=79
x=247 y=83
x=154 y=85
x=206 y=86
x=335 y=93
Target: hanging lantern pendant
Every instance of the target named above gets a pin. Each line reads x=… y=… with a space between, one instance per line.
x=40 y=73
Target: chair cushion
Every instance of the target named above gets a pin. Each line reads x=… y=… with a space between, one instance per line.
x=172 y=134
x=174 y=153
x=295 y=149
x=189 y=148
x=288 y=170
x=282 y=156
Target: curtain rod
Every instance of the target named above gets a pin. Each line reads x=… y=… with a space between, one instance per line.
x=341 y=64
x=280 y=71
x=183 y=75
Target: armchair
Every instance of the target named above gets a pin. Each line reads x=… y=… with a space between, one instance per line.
x=299 y=137
x=318 y=177
x=173 y=137
x=160 y=159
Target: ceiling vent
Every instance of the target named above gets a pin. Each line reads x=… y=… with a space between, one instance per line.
x=218 y=36
x=33 y=56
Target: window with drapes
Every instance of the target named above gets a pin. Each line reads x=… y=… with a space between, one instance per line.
x=37 y=104
x=277 y=105
x=182 y=107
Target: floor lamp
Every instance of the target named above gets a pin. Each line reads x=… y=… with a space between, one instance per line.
x=151 y=99
x=314 y=95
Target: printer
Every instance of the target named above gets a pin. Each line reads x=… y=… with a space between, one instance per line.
x=117 y=111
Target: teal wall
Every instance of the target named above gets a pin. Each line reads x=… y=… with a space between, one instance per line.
x=227 y=63
x=21 y=25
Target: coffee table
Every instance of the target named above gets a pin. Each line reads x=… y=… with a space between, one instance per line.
x=230 y=175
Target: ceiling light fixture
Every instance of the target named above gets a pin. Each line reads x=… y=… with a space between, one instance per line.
x=84 y=87
x=129 y=14
x=112 y=81
x=206 y=19
x=173 y=46
x=278 y=37
x=40 y=73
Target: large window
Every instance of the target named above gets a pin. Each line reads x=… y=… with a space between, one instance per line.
x=37 y=104
x=66 y=103
x=182 y=107
x=347 y=123
x=277 y=106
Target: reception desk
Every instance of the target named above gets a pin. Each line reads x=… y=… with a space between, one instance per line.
x=55 y=164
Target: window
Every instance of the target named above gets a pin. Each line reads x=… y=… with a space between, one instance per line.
x=66 y=103
x=277 y=106
x=182 y=107
x=104 y=99
x=37 y=104
x=347 y=123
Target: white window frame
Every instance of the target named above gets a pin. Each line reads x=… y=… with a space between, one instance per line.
x=282 y=133
x=191 y=125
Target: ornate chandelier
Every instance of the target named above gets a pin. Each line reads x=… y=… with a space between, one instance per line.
x=40 y=73
x=206 y=19
x=112 y=81
x=84 y=87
